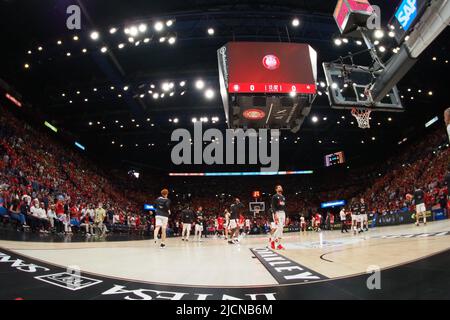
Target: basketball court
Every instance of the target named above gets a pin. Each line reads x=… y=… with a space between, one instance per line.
x=417 y=254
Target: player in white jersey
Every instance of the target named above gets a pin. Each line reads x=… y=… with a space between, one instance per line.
x=227 y=223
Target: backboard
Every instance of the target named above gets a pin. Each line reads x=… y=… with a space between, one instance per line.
x=349 y=87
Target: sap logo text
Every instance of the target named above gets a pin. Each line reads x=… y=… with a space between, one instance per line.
x=406 y=13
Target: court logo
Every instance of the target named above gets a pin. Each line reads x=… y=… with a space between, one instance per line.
x=230 y=150
x=73 y=21
x=374 y=280
x=71 y=279
x=271 y=62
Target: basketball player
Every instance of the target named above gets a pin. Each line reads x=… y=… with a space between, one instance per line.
x=278 y=207
x=187 y=217
x=199 y=225
x=343 y=216
x=419 y=197
x=447 y=121
x=234 y=221
x=355 y=216
x=364 y=218
x=227 y=223
x=220 y=225
x=302 y=223
x=162 y=205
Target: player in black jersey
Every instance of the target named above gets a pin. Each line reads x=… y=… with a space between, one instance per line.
x=355 y=208
x=234 y=220
x=162 y=206
x=199 y=224
x=278 y=209
x=419 y=201
x=187 y=218
x=364 y=217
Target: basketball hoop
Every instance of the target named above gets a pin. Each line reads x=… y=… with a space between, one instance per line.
x=362 y=116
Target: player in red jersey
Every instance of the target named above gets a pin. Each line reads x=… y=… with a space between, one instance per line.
x=220 y=223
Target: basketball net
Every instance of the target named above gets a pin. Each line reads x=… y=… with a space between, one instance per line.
x=363 y=117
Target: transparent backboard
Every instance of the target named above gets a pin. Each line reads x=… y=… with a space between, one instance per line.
x=349 y=86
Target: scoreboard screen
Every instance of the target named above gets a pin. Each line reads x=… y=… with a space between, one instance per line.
x=334 y=159
x=269 y=67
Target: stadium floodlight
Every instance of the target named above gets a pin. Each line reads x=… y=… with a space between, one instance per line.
x=94 y=35
x=159 y=26
x=199 y=84
x=209 y=94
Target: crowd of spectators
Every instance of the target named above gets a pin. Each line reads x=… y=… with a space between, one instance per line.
x=47 y=187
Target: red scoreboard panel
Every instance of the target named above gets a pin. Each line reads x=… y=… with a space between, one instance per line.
x=267 y=84
x=270 y=67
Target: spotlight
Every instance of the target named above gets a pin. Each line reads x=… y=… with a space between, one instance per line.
x=130 y=39
x=194 y=120
x=378 y=34
x=382 y=49
x=175 y=120
x=84 y=50
x=133 y=31
x=295 y=22
x=182 y=83
x=211 y=31
x=113 y=30
x=142 y=27
x=159 y=26
x=95 y=35
x=104 y=49
x=121 y=46
x=345 y=40
x=199 y=84
x=146 y=40
x=337 y=42
x=209 y=94
x=359 y=42
x=315 y=119
x=169 y=23
x=125 y=88
x=59 y=42
x=391 y=34
x=40 y=48
x=172 y=40
x=76 y=38
x=26 y=66
x=165 y=86
x=162 y=39
x=68 y=54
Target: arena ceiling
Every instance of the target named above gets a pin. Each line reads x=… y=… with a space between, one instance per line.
x=106 y=92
